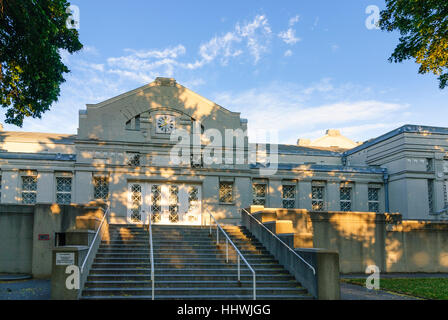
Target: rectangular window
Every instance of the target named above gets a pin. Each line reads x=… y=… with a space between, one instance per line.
x=29 y=189
x=289 y=196
x=431 y=195
x=133 y=159
x=226 y=192
x=445 y=193
x=259 y=194
x=345 y=198
x=317 y=198
x=63 y=190
x=429 y=165
x=101 y=188
x=373 y=199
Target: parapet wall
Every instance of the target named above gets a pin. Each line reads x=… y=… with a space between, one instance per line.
x=367 y=238
x=27 y=234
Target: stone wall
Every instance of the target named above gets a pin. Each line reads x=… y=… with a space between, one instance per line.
x=367 y=238
x=22 y=226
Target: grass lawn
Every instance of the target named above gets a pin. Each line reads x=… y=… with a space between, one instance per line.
x=428 y=288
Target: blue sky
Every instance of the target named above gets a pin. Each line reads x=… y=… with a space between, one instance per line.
x=297 y=66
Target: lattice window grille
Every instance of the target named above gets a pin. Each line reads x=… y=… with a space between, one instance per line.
x=445 y=193
x=345 y=198
x=373 y=199
x=63 y=190
x=29 y=189
x=196 y=161
x=226 y=192
x=193 y=198
x=174 y=204
x=101 y=188
x=430 y=195
x=156 y=198
x=317 y=198
x=289 y=196
x=259 y=194
x=134 y=159
x=136 y=201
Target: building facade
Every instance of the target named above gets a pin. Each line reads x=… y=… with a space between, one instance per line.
x=166 y=150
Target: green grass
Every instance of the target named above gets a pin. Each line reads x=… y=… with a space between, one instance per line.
x=427 y=288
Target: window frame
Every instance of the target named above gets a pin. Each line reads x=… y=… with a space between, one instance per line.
x=318 y=201
x=63 y=192
x=23 y=191
x=257 y=198
x=222 y=198
x=106 y=179
x=293 y=199
x=344 y=202
x=373 y=202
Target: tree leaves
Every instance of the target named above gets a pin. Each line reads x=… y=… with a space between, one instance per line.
x=423 y=25
x=32 y=33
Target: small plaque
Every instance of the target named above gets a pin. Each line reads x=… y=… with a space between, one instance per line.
x=43 y=237
x=65 y=258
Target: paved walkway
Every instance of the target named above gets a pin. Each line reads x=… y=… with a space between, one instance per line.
x=25 y=290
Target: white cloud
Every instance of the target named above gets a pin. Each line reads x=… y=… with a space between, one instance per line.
x=289 y=110
x=288 y=53
x=294 y=20
x=173 y=52
x=289 y=36
x=254 y=34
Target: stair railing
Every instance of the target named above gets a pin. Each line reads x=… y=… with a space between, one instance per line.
x=239 y=254
x=93 y=248
x=151 y=251
x=281 y=241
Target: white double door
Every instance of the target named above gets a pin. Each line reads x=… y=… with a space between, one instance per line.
x=167 y=203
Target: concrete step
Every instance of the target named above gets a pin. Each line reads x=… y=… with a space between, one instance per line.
x=105 y=250
x=186 y=291
x=181 y=256
x=201 y=297
x=193 y=284
x=181 y=259
x=188 y=277
x=178 y=246
x=191 y=266
x=185 y=271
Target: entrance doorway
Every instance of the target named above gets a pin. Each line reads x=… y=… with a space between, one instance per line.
x=168 y=203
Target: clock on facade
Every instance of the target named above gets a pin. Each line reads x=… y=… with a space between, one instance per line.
x=164 y=124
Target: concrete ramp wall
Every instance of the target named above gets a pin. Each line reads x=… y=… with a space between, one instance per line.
x=367 y=238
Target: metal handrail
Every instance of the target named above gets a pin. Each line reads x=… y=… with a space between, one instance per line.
x=151 y=251
x=106 y=213
x=240 y=255
x=289 y=248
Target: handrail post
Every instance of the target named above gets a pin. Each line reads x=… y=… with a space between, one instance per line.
x=227 y=251
x=239 y=276
x=255 y=288
x=151 y=251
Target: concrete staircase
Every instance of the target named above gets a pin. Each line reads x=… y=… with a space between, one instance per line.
x=187 y=264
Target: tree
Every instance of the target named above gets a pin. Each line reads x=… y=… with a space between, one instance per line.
x=423 y=25
x=32 y=35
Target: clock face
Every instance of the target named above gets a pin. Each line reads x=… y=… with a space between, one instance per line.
x=164 y=124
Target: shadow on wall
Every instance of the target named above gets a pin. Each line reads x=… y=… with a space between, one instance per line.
x=27 y=233
x=367 y=238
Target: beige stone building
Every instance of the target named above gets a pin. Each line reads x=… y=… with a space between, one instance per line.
x=123 y=153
